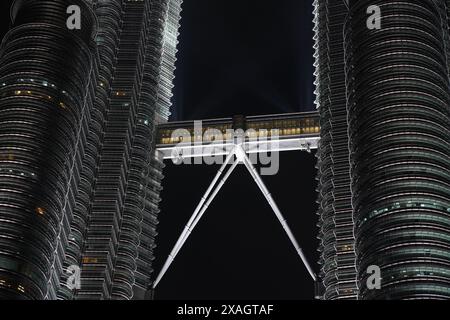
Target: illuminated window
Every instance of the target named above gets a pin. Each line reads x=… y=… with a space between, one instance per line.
x=346 y=248
x=8 y=156
x=89 y=260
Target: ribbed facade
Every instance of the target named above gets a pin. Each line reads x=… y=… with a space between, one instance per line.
x=383 y=97
x=79 y=174
x=399 y=128
x=337 y=253
x=120 y=235
x=46 y=96
x=109 y=15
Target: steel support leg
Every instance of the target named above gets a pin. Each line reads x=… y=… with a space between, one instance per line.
x=241 y=154
x=197 y=215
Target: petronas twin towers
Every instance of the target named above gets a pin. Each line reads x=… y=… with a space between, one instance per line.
x=80 y=176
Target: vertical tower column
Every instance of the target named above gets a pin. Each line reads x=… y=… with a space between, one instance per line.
x=109 y=16
x=120 y=230
x=337 y=258
x=44 y=79
x=399 y=126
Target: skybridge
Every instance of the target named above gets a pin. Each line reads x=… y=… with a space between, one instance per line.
x=216 y=137
x=236 y=138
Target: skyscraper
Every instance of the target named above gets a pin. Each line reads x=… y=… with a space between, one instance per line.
x=399 y=129
x=118 y=248
x=338 y=269
x=398 y=115
x=46 y=95
x=80 y=177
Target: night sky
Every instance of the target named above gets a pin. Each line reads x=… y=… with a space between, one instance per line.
x=239 y=57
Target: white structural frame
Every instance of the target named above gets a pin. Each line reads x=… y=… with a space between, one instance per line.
x=222 y=148
x=238 y=150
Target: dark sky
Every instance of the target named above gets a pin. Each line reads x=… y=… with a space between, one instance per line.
x=242 y=56
x=239 y=57
x=4 y=16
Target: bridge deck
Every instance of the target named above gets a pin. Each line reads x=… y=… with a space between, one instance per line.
x=282 y=132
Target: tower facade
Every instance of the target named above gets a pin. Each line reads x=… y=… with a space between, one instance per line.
x=117 y=252
x=47 y=76
x=336 y=225
x=399 y=127
x=396 y=80
x=79 y=175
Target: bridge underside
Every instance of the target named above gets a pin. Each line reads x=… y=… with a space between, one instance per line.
x=185 y=151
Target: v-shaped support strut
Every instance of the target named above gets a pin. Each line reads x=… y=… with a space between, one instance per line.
x=208 y=197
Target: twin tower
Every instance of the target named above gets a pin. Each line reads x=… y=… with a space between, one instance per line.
x=384 y=156
x=80 y=177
